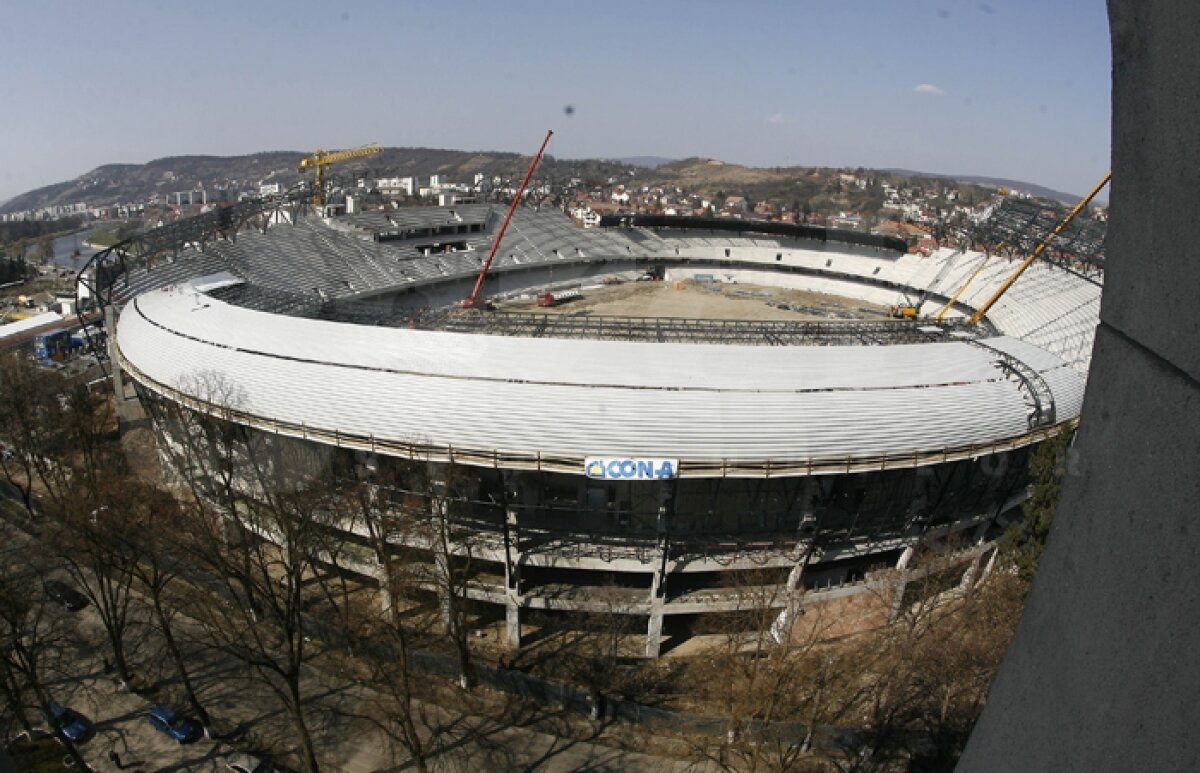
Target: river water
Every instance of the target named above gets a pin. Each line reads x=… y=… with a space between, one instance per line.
x=65 y=247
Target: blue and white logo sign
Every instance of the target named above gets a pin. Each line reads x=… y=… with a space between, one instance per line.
x=630 y=468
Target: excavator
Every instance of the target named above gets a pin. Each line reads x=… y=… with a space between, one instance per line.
x=323 y=158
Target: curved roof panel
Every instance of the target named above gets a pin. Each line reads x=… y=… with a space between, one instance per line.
x=699 y=403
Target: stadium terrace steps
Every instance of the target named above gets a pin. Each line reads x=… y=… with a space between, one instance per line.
x=1050 y=306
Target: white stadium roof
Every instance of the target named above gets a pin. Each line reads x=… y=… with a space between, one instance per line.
x=553 y=402
x=29 y=323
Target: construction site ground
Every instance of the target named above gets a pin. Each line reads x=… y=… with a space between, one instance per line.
x=695 y=300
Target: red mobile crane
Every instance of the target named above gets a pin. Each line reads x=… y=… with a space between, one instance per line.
x=474 y=301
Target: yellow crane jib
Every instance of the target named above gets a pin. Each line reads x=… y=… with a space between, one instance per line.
x=982 y=311
x=954 y=298
x=322 y=158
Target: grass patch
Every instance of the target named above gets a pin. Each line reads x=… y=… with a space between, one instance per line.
x=102 y=238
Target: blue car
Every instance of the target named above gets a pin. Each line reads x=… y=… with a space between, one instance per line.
x=73 y=726
x=166 y=721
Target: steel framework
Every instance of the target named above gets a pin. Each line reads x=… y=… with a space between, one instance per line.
x=672 y=329
x=1022 y=224
x=100 y=278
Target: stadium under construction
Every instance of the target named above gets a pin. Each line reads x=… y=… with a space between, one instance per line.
x=669 y=461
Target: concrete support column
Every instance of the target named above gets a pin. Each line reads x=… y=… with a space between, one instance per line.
x=991 y=563
x=110 y=328
x=386 y=602
x=804 y=546
x=512 y=580
x=781 y=629
x=972 y=571
x=901 y=582
x=658 y=580
x=657 y=583
x=443 y=570
x=654 y=630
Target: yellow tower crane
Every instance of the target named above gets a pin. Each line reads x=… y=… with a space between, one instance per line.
x=323 y=158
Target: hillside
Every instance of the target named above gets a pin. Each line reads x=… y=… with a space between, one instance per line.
x=1032 y=189
x=128 y=183
x=807 y=189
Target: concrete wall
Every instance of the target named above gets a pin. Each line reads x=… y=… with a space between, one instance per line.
x=1104 y=673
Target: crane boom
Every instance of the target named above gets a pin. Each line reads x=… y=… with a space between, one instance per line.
x=954 y=299
x=323 y=158
x=983 y=310
x=473 y=300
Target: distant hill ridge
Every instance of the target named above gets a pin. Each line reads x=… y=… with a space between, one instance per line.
x=1032 y=189
x=126 y=183
x=123 y=183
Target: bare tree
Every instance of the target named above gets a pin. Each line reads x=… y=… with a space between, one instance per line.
x=266 y=524
x=770 y=690
x=391 y=517
x=32 y=638
x=93 y=537
x=393 y=673
x=923 y=678
x=159 y=527
x=31 y=430
x=265 y=630
x=451 y=546
x=263 y=546
x=586 y=648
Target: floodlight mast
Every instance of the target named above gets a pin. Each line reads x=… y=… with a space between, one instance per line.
x=983 y=310
x=473 y=301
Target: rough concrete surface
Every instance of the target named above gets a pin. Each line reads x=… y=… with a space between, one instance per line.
x=1104 y=672
x=1152 y=285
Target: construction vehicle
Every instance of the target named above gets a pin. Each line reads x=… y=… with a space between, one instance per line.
x=322 y=158
x=548 y=299
x=474 y=300
x=908 y=309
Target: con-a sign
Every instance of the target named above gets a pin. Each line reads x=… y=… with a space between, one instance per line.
x=630 y=468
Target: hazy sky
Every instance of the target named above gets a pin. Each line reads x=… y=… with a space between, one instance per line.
x=1008 y=88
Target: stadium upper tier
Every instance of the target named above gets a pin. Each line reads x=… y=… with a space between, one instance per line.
x=550 y=403
x=312 y=262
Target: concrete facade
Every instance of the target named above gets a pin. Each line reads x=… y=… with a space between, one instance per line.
x=1103 y=673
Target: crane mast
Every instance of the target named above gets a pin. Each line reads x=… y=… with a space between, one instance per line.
x=322 y=158
x=473 y=301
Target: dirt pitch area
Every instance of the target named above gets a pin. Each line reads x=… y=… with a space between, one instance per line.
x=693 y=300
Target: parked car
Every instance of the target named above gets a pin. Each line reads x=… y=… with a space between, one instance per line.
x=71 y=599
x=74 y=727
x=178 y=727
x=245 y=763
